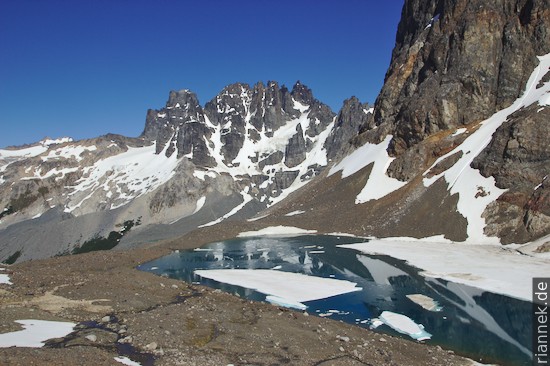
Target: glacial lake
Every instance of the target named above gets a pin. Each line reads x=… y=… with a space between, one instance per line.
x=484 y=326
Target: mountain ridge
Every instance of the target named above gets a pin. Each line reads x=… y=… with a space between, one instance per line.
x=246 y=149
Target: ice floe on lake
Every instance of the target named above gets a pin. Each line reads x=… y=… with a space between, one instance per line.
x=282 y=288
x=405 y=325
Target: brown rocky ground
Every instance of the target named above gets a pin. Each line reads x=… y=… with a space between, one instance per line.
x=169 y=322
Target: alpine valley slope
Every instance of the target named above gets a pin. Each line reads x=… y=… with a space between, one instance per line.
x=247 y=149
x=457 y=146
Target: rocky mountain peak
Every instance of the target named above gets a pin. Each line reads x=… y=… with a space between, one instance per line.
x=348 y=122
x=184 y=99
x=302 y=94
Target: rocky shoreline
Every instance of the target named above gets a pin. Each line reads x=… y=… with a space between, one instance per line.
x=161 y=321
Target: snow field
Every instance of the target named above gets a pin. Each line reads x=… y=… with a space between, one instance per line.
x=35 y=333
x=480 y=266
x=379 y=184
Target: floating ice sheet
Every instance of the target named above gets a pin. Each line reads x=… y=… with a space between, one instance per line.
x=405 y=325
x=283 y=288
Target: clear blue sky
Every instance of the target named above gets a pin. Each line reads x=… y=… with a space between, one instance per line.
x=83 y=68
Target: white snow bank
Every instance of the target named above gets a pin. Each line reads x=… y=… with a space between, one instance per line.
x=28 y=152
x=530 y=248
x=126 y=361
x=488 y=267
x=257 y=218
x=134 y=172
x=200 y=204
x=294 y=213
x=35 y=333
x=277 y=230
x=283 y=287
x=5 y=279
x=37 y=149
x=475 y=191
x=68 y=152
x=378 y=184
x=405 y=325
x=60 y=140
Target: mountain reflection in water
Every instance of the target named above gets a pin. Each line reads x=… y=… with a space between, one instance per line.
x=484 y=326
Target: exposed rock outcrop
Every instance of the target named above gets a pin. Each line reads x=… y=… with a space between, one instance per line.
x=458 y=62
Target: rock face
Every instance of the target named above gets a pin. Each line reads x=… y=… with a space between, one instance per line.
x=518 y=158
x=241 y=114
x=350 y=119
x=458 y=62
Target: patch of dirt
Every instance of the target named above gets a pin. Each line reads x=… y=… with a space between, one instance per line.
x=56 y=304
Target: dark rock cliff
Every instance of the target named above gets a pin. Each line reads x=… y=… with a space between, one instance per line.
x=458 y=61
x=455 y=63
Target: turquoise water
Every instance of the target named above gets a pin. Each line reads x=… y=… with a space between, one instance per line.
x=484 y=326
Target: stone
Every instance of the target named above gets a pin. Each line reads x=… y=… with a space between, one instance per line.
x=91 y=337
x=151 y=346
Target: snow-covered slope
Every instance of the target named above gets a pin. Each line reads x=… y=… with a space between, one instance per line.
x=474 y=192
x=246 y=150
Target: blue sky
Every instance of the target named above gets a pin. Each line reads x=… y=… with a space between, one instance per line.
x=85 y=68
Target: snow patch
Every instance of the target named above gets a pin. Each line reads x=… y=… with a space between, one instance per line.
x=5 y=279
x=126 y=361
x=133 y=173
x=257 y=218
x=68 y=152
x=299 y=106
x=246 y=198
x=276 y=231
x=35 y=333
x=294 y=213
x=200 y=204
x=459 y=131
x=61 y=140
x=379 y=184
